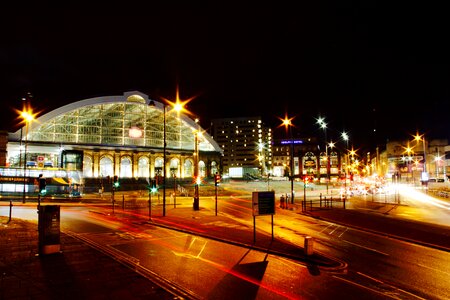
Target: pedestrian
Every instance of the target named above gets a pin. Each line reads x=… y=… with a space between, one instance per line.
x=282 y=201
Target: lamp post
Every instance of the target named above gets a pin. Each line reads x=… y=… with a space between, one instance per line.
x=323 y=125
x=176 y=106
x=418 y=138
x=287 y=122
x=344 y=136
x=27 y=117
x=196 y=204
x=152 y=103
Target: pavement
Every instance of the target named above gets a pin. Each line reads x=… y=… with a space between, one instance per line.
x=80 y=271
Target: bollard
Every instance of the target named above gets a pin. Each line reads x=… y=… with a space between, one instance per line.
x=10 y=210
x=309 y=245
x=49 y=229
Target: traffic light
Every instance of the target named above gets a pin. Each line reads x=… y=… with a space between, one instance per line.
x=216 y=179
x=116 y=181
x=42 y=185
x=306 y=180
x=152 y=186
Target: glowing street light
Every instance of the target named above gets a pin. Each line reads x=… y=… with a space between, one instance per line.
x=177 y=106
x=345 y=137
x=27 y=117
x=323 y=125
x=418 y=138
x=408 y=159
x=287 y=123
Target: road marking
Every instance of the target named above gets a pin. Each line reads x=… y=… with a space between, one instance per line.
x=367 y=248
x=346 y=228
x=391 y=286
x=364 y=287
x=331 y=232
x=370 y=277
x=430 y=268
x=329 y=225
x=387 y=294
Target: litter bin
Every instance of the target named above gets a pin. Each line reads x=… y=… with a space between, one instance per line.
x=49 y=229
x=309 y=245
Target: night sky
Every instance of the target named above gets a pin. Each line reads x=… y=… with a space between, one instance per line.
x=375 y=70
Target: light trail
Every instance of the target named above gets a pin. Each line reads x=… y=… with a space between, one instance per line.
x=427 y=199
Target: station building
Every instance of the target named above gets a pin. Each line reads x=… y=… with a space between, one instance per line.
x=110 y=136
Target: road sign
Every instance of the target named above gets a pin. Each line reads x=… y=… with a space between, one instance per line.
x=263 y=203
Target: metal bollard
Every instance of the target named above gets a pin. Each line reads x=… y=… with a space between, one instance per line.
x=309 y=245
x=10 y=210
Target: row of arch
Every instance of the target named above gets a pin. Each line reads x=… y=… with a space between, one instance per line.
x=128 y=166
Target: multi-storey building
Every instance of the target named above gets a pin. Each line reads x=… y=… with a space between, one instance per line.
x=413 y=161
x=305 y=157
x=246 y=145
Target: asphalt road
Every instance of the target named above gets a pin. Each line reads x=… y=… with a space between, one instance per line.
x=379 y=265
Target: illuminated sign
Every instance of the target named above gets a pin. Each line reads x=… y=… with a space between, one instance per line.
x=285 y=142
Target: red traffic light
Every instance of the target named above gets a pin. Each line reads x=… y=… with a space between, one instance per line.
x=216 y=179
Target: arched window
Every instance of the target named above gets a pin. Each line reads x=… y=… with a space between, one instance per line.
x=143 y=167
x=174 y=167
x=106 y=167
x=87 y=166
x=159 y=166
x=125 y=167
x=188 y=168
x=309 y=163
x=214 y=167
x=202 y=168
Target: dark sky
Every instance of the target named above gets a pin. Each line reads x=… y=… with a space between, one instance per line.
x=362 y=65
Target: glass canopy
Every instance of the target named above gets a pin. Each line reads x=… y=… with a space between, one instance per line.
x=119 y=121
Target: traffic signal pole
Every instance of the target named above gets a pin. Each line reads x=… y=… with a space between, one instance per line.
x=216 y=184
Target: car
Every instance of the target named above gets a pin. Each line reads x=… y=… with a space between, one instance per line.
x=436 y=180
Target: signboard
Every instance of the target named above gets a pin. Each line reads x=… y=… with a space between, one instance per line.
x=263 y=203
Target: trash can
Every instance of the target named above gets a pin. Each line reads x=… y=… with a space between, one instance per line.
x=309 y=245
x=49 y=229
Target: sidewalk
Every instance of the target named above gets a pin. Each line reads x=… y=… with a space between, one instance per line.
x=78 y=272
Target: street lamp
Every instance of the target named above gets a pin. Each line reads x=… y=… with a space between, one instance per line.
x=345 y=137
x=287 y=122
x=323 y=125
x=27 y=117
x=409 y=151
x=418 y=138
x=179 y=106
x=196 y=204
x=152 y=104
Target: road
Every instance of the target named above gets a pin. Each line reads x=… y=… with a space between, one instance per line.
x=378 y=267
x=374 y=261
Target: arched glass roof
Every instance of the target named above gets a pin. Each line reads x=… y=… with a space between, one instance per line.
x=126 y=120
